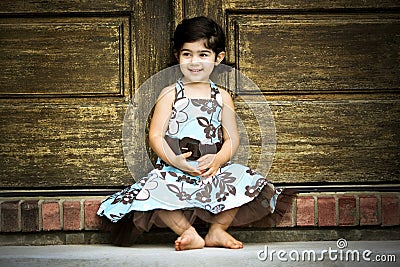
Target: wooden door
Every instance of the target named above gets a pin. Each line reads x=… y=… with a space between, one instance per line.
x=67 y=72
x=330 y=71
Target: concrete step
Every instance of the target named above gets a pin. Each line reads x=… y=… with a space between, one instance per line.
x=327 y=253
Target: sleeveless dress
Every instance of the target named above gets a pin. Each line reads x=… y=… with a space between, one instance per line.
x=168 y=188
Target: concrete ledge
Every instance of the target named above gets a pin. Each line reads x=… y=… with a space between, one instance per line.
x=247 y=235
x=254 y=254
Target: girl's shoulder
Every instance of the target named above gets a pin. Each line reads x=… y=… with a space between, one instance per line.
x=167 y=92
x=170 y=89
x=226 y=97
x=166 y=97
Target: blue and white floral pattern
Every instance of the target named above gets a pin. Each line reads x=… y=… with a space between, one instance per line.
x=168 y=188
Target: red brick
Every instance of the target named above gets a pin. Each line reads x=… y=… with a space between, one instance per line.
x=326 y=211
x=305 y=211
x=72 y=215
x=390 y=211
x=51 y=216
x=10 y=216
x=30 y=216
x=368 y=210
x=347 y=211
x=92 y=220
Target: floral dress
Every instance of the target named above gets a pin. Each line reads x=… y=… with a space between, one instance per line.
x=168 y=188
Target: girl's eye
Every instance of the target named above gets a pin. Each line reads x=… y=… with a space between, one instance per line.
x=186 y=54
x=204 y=55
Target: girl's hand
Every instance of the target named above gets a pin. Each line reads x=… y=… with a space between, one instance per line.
x=181 y=163
x=208 y=165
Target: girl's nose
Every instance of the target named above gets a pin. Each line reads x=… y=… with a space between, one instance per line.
x=195 y=59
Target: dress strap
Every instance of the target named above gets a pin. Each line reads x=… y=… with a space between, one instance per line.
x=215 y=94
x=179 y=91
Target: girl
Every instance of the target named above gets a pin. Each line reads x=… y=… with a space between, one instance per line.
x=194 y=133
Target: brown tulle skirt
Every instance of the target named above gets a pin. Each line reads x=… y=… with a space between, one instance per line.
x=131 y=226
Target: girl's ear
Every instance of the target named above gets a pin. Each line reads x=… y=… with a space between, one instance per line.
x=176 y=54
x=219 y=58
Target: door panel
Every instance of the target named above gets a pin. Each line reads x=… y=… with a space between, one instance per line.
x=62 y=57
x=68 y=144
x=331 y=141
x=55 y=7
x=289 y=5
x=317 y=53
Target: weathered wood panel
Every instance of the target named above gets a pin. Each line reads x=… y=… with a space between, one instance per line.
x=329 y=141
x=62 y=6
x=55 y=144
x=64 y=84
x=330 y=71
x=63 y=57
x=317 y=53
x=192 y=8
x=302 y=5
x=68 y=132
x=153 y=54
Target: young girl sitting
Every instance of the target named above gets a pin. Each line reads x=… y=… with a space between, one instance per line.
x=194 y=133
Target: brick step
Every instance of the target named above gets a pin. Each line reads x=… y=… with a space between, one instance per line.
x=320 y=210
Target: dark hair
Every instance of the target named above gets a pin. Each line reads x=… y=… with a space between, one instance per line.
x=198 y=28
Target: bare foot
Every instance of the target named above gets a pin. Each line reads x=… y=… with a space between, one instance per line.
x=190 y=239
x=220 y=238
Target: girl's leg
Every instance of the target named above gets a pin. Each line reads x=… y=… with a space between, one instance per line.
x=188 y=236
x=217 y=235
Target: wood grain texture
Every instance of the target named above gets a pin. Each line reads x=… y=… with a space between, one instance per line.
x=302 y=5
x=54 y=144
x=60 y=6
x=332 y=141
x=64 y=57
x=336 y=105
x=194 y=8
x=320 y=141
x=152 y=31
x=64 y=82
x=317 y=53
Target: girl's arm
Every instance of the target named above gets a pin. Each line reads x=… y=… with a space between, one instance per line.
x=158 y=127
x=212 y=162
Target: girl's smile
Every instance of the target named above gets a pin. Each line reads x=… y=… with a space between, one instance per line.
x=197 y=61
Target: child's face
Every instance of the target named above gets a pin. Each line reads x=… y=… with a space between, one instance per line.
x=197 y=62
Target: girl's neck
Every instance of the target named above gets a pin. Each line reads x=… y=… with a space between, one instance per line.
x=186 y=81
x=197 y=89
